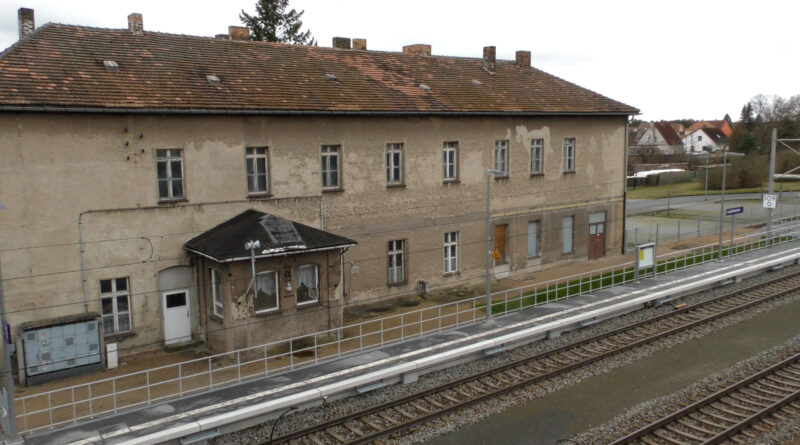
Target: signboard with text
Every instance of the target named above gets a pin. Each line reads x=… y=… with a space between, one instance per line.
x=770 y=200
x=734 y=211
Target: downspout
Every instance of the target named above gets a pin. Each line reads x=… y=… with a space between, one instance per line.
x=625 y=189
x=341 y=272
x=84 y=279
x=322 y=213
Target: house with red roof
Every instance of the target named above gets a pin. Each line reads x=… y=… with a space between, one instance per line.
x=659 y=136
x=234 y=192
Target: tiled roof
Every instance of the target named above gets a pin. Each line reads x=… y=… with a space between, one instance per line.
x=668 y=133
x=62 y=66
x=715 y=134
x=278 y=236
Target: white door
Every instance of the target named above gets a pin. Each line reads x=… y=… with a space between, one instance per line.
x=177 y=327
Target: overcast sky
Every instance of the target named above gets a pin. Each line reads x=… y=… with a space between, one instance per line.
x=679 y=59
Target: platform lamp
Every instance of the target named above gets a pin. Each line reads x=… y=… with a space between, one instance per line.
x=8 y=382
x=489 y=174
x=725 y=154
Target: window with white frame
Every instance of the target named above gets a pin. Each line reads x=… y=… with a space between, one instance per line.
x=501 y=156
x=169 y=166
x=567 y=224
x=115 y=301
x=537 y=156
x=533 y=239
x=396 y=265
x=394 y=163
x=569 y=154
x=266 y=291
x=257 y=170
x=330 y=167
x=450 y=252
x=307 y=284
x=450 y=152
x=216 y=293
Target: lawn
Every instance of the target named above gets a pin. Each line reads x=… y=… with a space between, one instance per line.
x=698 y=188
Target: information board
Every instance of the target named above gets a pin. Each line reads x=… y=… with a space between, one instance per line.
x=647 y=254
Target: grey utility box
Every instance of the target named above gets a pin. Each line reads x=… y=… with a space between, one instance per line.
x=60 y=347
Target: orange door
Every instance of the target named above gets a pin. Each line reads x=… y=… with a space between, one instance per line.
x=500 y=243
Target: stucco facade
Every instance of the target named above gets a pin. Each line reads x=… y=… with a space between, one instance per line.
x=88 y=182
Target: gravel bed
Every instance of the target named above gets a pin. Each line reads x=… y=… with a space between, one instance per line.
x=650 y=411
x=298 y=420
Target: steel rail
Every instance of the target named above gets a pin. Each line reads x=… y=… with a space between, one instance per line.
x=547 y=354
x=738 y=426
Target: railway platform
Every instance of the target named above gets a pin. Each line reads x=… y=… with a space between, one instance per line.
x=196 y=418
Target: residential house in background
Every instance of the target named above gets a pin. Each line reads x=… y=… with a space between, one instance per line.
x=724 y=125
x=656 y=137
x=708 y=139
x=139 y=167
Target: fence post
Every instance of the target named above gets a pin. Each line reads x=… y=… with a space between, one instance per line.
x=636 y=236
x=698 y=226
x=679 y=229
x=656 y=234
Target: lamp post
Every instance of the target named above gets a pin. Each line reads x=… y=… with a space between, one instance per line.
x=8 y=381
x=489 y=174
x=725 y=155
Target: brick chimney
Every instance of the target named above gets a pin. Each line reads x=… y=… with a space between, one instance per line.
x=489 y=60
x=239 y=32
x=523 y=59
x=135 y=23
x=360 y=44
x=26 y=23
x=418 y=49
x=341 y=43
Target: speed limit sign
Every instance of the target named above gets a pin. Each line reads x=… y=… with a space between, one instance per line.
x=770 y=201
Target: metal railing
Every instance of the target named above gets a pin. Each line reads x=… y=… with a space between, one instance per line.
x=82 y=402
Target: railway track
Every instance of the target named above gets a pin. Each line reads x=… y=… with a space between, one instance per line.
x=396 y=416
x=746 y=408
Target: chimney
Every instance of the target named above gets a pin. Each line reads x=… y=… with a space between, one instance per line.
x=417 y=50
x=239 y=32
x=341 y=43
x=489 y=61
x=360 y=44
x=523 y=59
x=26 y=24
x=135 y=23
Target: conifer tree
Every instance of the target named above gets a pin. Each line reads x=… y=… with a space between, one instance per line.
x=275 y=22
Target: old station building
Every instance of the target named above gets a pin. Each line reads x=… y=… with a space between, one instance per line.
x=136 y=168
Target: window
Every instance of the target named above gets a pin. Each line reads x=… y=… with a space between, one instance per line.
x=699 y=137
x=257 y=170
x=169 y=164
x=501 y=156
x=307 y=284
x=566 y=234
x=450 y=252
x=394 y=163
x=115 y=302
x=330 y=167
x=569 y=154
x=533 y=239
x=537 y=156
x=397 y=253
x=450 y=152
x=266 y=292
x=216 y=294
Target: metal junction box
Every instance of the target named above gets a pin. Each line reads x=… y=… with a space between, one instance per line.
x=60 y=347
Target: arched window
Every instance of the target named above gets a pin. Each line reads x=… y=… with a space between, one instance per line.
x=307 y=284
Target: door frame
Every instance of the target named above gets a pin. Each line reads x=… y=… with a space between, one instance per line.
x=591 y=242
x=188 y=314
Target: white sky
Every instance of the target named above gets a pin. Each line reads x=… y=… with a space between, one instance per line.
x=679 y=59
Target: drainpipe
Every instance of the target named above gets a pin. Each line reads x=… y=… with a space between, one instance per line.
x=321 y=213
x=341 y=272
x=84 y=279
x=252 y=246
x=625 y=189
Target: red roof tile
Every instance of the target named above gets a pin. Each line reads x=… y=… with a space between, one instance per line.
x=669 y=133
x=61 y=66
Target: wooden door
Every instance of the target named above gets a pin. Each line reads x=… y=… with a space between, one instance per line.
x=597 y=235
x=500 y=244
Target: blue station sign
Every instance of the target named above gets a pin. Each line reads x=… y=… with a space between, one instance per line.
x=734 y=210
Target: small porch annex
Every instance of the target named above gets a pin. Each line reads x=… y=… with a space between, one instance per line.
x=262 y=278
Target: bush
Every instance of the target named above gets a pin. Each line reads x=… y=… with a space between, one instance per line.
x=748 y=172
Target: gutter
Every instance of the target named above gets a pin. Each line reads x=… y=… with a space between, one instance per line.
x=271 y=255
x=199 y=111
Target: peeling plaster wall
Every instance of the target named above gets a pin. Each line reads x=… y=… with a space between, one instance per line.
x=54 y=167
